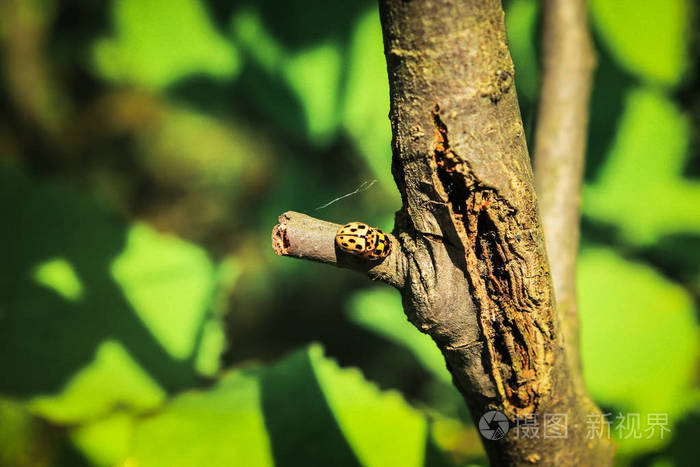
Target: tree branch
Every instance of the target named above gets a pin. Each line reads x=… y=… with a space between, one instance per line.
x=469 y=254
x=567 y=64
x=568 y=61
x=301 y=236
x=461 y=164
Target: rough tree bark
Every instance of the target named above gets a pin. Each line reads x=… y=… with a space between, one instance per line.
x=469 y=252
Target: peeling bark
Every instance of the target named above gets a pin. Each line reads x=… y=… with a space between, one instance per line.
x=496 y=248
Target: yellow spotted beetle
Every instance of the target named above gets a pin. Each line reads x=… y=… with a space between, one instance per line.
x=360 y=239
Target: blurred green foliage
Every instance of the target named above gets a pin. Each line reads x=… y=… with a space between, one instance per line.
x=157 y=43
x=641 y=354
x=252 y=417
x=146 y=148
x=648 y=37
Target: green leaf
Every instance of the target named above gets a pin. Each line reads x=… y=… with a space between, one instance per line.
x=304 y=410
x=641 y=188
x=59 y=275
x=159 y=42
x=169 y=283
x=98 y=317
x=112 y=379
x=221 y=426
x=380 y=311
x=638 y=341
x=249 y=31
x=314 y=75
x=213 y=340
x=79 y=341
x=106 y=441
x=381 y=428
x=648 y=37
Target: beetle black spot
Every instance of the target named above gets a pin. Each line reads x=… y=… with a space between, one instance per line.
x=358 y=247
x=353 y=230
x=345 y=244
x=352 y=240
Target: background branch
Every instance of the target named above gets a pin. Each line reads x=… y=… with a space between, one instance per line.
x=560 y=142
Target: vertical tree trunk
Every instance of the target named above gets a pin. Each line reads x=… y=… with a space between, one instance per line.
x=461 y=163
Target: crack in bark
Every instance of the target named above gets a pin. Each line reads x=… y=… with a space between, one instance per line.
x=517 y=340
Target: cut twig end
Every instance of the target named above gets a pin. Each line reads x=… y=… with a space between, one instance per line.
x=280 y=240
